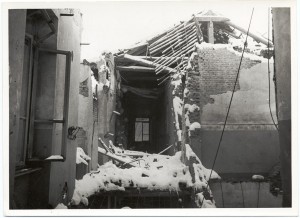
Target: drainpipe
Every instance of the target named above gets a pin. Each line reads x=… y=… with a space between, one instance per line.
x=50 y=24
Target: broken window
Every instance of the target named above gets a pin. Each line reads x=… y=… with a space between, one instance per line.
x=142 y=129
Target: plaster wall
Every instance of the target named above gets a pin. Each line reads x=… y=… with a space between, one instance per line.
x=106 y=104
x=68 y=38
x=85 y=112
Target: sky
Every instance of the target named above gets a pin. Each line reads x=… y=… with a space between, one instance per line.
x=109 y=26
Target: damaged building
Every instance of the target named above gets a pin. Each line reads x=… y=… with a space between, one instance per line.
x=140 y=128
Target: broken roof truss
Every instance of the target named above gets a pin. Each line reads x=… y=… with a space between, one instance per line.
x=168 y=52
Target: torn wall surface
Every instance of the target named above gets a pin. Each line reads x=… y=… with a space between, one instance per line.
x=250 y=142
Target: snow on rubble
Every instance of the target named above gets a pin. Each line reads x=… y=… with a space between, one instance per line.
x=81 y=157
x=152 y=172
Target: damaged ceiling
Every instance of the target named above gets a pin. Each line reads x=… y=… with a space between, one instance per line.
x=155 y=60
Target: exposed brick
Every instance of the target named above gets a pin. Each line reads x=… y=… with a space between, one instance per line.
x=214 y=73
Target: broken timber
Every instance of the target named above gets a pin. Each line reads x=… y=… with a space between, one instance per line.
x=135 y=69
x=255 y=37
x=115 y=157
x=146 y=63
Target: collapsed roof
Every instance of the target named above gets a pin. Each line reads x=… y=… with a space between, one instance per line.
x=168 y=52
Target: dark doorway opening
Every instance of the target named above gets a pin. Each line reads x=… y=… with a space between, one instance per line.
x=146 y=108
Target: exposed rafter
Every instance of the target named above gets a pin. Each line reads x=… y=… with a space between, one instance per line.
x=136 y=69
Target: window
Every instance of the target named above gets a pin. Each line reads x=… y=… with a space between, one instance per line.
x=25 y=101
x=37 y=122
x=142 y=129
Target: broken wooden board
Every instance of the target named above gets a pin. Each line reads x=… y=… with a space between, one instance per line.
x=116 y=157
x=146 y=63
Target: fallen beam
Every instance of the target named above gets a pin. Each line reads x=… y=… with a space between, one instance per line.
x=136 y=69
x=146 y=63
x=115 y=157
x=212 y=18
x=149 y=58
x=155 y=58
x=104 y=145
x=255 y=37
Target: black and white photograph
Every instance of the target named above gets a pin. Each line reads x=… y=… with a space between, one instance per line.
x=179 y=108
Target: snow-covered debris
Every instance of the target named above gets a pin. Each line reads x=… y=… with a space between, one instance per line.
x=195 y=125
x=61 y=206
x=94 y=84
x=258 y=177
x=156 y=172
x=121 y=158
x=204 y=203
x=81 y=157
x=55 y=157
x=177 y=105
x=176 y=81
x=102 y=85
x=191 y=108
x=187 y=120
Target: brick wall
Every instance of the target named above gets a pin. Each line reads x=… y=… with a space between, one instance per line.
x=214 y=73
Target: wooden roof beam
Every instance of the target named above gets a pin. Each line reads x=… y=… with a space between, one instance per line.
x=212 y=18
x=255 y=37
x=136 y=69
x=149 y=58
x=147 y=63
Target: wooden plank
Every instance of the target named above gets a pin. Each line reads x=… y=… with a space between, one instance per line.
x=156 y=58
x=199 y=32
x=230 y=33
x=136 y=69
x=210 y=31
x=172 y=31
x=166 y=149
x=115 y=157
x=173 y=38
x=184 y=51
x=104 y=145
x=184 y=38
x=120 y=59
x=141 y=61
x=211 y=18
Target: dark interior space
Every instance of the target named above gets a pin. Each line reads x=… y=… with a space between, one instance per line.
x=144 y=103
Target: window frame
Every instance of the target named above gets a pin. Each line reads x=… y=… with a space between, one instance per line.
x=142 y=120
x=31 y=102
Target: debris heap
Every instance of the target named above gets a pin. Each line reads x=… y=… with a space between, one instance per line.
x=154 y=172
